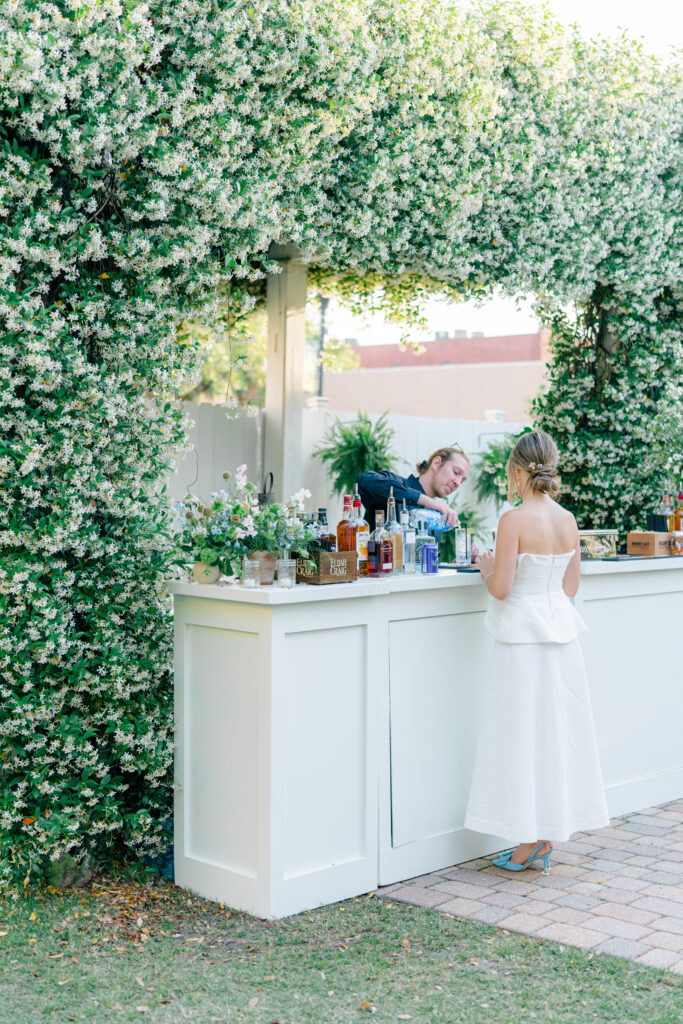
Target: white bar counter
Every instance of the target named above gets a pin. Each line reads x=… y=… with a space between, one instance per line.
x=325 y=734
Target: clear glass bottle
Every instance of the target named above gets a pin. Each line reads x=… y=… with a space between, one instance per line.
x=346 y=528
x=395 y=535
x=379 y=550
x=362 y=534
x=422 y=537
x=667 y=509
x=408 y=542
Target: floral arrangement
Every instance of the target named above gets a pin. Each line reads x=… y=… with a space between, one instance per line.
x=218 y=533
x=233 y=524
x=280 y=530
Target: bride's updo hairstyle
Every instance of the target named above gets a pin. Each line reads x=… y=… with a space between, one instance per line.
x=536 y=453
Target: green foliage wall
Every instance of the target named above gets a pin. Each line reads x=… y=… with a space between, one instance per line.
x=149 y=155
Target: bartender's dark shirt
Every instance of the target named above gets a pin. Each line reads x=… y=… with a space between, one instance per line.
x=374 y=491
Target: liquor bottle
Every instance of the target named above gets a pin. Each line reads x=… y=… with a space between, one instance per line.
x=408 y=542
x=423 y=537
x=395 y=535
x=678 y=514
x=328 y=541
x=669 y=507
x=346 y=528
x=379 y=550
x=363 y=532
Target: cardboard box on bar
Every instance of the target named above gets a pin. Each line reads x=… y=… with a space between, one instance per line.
x=330 y=567
x=642 y=542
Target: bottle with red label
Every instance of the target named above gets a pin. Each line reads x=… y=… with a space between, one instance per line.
x=379 y=550
x=678 y=515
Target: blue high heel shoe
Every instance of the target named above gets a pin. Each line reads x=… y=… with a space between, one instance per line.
x=503 y=861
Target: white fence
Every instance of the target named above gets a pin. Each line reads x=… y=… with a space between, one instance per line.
x=219 y=444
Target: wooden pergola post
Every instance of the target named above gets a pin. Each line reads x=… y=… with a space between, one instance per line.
x=283 y=416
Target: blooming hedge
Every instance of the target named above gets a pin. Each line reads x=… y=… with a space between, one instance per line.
x=151 y=152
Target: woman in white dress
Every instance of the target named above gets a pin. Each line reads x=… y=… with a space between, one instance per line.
x=537 y=776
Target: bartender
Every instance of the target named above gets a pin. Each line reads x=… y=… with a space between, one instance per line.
x=437 y=477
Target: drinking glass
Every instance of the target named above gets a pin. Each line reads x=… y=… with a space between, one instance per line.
x=461 y=556
x=251 y=572
x=286 y=572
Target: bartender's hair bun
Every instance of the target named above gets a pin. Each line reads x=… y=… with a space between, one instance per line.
x=536 y=453
x=444 y=454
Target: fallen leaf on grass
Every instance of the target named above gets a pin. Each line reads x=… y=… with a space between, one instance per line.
x=252 y=1002
x=33 y=916
x=406 y=943
x=269 y=977
x=405 y=1016
x=195 y=938
x=54 y=956
x=368 y=1007
x=3 y=933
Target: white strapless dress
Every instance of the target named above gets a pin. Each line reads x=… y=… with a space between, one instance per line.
x=537 y=773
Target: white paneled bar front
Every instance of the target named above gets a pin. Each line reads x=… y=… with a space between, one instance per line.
x=325 y=735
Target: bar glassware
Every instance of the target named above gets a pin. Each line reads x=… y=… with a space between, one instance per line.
x=461 y=555
x=251 y=573
x=286 y=572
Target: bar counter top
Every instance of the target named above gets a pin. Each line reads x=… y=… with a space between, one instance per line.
x=364 y=587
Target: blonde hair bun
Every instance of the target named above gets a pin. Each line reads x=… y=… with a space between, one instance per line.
x=536 y=453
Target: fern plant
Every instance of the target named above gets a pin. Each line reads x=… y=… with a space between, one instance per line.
x=359 y=446
x=490 y=477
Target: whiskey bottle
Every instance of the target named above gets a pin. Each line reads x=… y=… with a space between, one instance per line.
x=346 y=528
x=678 y=513
x=363 y=532
x=328 y=541
x=379 y=550
x=395 y=535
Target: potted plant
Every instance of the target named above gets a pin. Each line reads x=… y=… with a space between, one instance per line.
x=215 y=536
x=349 y=449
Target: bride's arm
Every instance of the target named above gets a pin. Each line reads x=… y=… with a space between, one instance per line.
x=572 y=575
x=499 y=573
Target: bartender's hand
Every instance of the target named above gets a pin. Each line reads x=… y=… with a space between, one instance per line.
x=449 y=514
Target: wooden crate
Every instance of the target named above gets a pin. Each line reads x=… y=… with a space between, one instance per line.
x=329 y=567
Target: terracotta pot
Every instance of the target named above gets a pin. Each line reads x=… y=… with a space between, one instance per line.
x=267 y=560
x=204 y=573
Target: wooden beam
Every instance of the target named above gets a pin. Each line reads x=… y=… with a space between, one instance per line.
x=283 y=417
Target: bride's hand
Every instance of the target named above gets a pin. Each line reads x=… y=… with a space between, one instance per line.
x=486 y=563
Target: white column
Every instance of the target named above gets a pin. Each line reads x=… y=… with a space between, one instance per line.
x=283 y=418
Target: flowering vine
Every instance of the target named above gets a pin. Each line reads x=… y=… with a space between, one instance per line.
x=150 y=153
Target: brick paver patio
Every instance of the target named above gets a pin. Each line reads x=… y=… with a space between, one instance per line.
x=617 y=890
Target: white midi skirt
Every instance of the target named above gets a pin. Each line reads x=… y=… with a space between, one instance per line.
x=537 y=773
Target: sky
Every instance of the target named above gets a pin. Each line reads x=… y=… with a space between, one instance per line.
x=659 y=23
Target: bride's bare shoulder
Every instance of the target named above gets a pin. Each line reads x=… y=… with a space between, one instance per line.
x=560 y=510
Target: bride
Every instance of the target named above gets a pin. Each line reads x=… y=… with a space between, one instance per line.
x=537 y=776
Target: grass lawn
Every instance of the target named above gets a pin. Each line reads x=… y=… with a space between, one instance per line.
x=119 y=951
